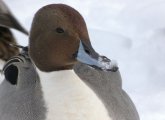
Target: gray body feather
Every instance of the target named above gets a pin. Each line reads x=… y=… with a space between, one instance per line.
x=21 y=98
x=108 y=87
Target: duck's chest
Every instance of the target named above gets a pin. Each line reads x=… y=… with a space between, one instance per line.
x=68 y=98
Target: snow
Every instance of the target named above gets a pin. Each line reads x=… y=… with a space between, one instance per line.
x=129 y=31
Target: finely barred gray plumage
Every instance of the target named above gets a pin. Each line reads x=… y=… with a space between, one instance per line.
x=20 y=92
x=108 y=87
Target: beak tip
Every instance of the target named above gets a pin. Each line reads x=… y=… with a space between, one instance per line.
x=102 y=62
x=108 y=65
x=114 y=69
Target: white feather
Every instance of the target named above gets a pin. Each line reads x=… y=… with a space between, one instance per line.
x=68 y=98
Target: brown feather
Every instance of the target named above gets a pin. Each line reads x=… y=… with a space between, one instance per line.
x=6 y=37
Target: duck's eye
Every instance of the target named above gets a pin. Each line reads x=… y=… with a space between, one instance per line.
x=59 y=30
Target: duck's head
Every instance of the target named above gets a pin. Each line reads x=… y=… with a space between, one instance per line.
x=57 y=38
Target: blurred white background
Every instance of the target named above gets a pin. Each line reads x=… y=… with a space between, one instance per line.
x=129 y=31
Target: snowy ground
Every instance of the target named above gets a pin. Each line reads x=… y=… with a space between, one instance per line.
x=129 y=31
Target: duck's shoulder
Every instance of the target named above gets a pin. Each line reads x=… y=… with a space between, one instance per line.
x=90 y=74
x=107 y=85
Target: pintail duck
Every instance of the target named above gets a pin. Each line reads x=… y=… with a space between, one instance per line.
x=65 y=75
x=7 y=21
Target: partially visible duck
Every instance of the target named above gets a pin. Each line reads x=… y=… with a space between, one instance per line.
x=20 y=92
x=74 y=82
x=7 y=21
x=6 y=50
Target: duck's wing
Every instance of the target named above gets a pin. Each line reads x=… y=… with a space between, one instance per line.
x=8 y=20
x=108 y=87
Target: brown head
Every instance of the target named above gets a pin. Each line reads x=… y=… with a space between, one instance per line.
x=55 y=36
x=59 y=37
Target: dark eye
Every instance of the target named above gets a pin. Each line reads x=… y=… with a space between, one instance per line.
x=59 y=30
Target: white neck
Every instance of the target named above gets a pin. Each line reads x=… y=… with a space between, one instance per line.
x=68 y=98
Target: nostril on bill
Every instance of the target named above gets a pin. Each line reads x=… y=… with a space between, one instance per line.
x=87 y=51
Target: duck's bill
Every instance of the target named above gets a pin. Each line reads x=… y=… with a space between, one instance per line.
x=87 y=55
